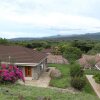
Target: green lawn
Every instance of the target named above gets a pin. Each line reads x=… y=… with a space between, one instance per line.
x=30 y=93
x=64 y=81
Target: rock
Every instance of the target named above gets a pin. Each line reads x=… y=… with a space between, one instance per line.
x=55 y=73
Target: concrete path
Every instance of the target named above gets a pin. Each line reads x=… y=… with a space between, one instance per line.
x=95 y=86
x=43 y=81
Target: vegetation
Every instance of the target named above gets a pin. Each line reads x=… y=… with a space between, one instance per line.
x=77 y=79
x=72 y=53
x=84 y=46
x=3 y=41
x=65 y=80
x=78 y=82
x=91 y=72
x=21 y=92
x=76 y=71
x=97 y=78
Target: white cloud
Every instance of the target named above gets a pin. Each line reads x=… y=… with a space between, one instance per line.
x=46 y=14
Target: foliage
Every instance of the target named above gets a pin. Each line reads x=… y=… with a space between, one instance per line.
x=76 y=71
x=63 y=47
x=10 y=73
x=97 y=77
x=56 y=50
x=41 y=44
x=78 y=82
x=92 y=52
x=91 y=71
x=72 y=53
x=95 y=50
x=84 y=46
x=3 y=41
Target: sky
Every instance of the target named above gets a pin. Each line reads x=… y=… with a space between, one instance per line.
x=40 y=18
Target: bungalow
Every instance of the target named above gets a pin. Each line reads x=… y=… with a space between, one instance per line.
x=89 y=61
x=32 y=63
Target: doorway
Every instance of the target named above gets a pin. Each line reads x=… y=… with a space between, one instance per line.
x=28 y=71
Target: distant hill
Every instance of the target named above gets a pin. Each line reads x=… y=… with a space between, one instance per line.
x=23 y=39
x=88 y=36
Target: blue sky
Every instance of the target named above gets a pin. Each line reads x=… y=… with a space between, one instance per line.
x=38 y=18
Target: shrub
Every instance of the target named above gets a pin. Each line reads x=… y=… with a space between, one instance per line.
x=10 y=74
x=97 y=77
x=72 y=53
x=76 y=70
x=78 y=82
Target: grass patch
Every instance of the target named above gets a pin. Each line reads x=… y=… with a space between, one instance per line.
x=30 y=93
x=64 y=81
x=91 y=71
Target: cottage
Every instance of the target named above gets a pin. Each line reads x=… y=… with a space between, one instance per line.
x=31 y=62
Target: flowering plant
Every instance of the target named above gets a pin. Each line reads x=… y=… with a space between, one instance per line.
x=10 y=73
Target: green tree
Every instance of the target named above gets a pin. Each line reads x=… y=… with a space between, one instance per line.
x=3 y=41
x=84 y=46
x=95 y=49
x=72 y=53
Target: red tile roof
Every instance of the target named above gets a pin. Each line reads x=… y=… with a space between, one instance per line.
x=84 y=61
x=20 y=54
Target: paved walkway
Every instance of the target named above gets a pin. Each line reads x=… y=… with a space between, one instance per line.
x=95 y=86
x=43 y=81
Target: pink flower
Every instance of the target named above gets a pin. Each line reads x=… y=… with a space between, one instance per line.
x=3 y=66
x=11 y=73
x=10 y=67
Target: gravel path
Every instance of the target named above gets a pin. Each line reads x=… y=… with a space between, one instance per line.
x=95 y=86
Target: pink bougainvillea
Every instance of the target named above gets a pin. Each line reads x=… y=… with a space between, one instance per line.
x=10 y=73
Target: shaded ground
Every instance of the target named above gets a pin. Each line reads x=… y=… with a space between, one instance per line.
x=57 y=59
x=95 y=85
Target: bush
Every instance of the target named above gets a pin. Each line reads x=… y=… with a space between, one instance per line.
x=97 y=77
x=76 y=71
x=10 y=74
x=72 y=53
x=78 y=82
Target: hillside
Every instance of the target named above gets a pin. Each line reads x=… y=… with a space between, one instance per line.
x=88 y=36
